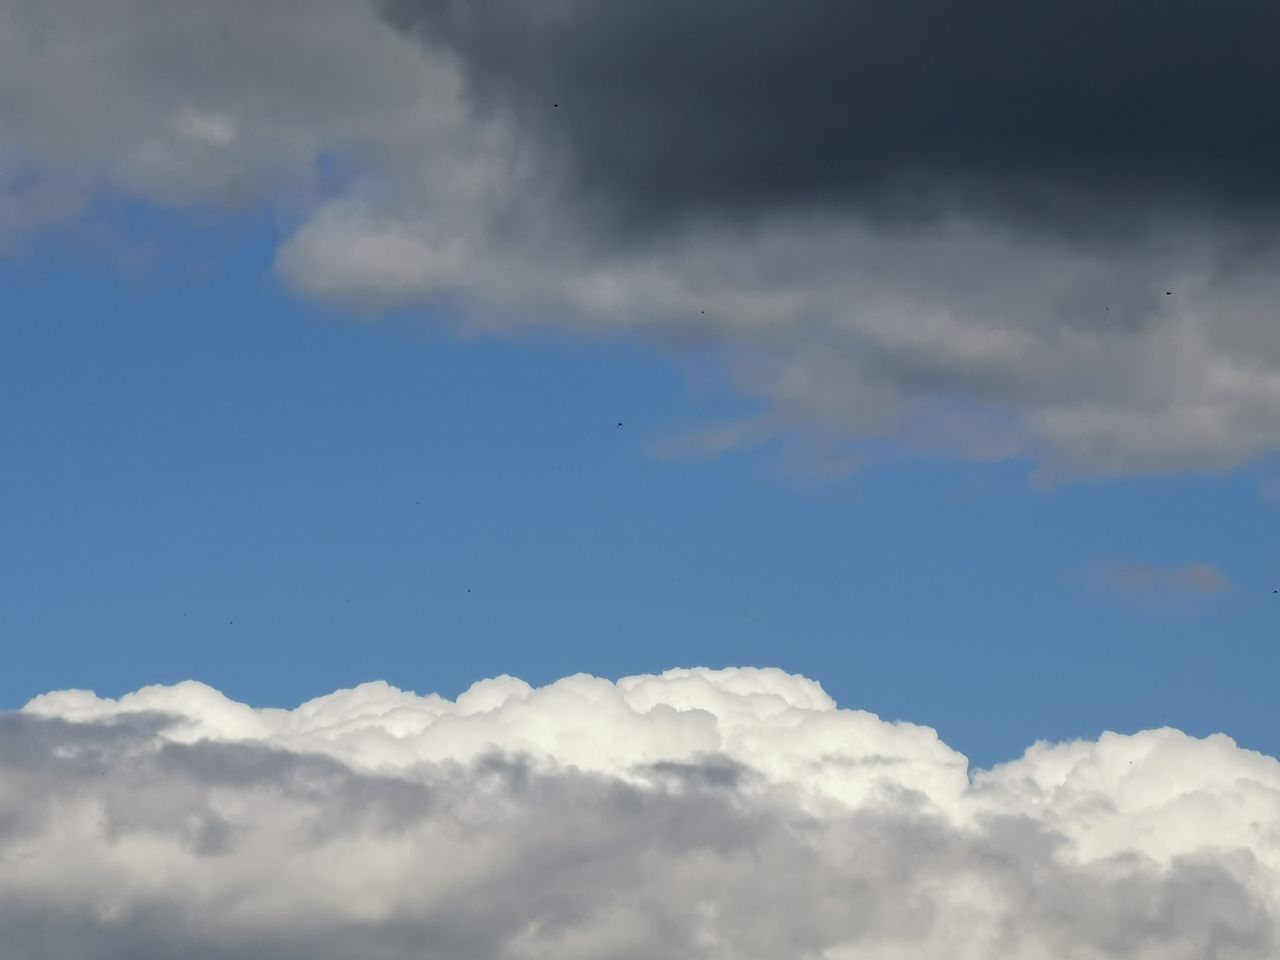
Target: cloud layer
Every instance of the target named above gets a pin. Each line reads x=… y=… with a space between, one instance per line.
x=700 y=813
x=1041 y=231
x=667 y=110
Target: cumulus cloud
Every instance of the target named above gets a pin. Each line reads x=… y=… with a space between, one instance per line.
x=701 y=813
x=1178 y=589
x=1005 y=230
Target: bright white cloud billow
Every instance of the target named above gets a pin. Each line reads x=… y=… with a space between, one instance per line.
x=1086 y=345
x=708 y=814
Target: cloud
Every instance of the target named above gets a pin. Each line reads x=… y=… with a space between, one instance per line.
x=662 y=111
x=1046 y=232
x=735 y=813
x=1166 y=589
x=713 y=440
x=212 y=128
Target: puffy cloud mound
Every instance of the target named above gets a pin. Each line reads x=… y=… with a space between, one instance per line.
x=720 y=814
x=1004 y=229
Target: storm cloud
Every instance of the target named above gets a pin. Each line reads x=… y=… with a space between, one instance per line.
x=999 y=230
x=734 y=813
x=739 y=108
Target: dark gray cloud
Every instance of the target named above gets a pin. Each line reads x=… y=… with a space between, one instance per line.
x=1059 y=113
x=1036 y=230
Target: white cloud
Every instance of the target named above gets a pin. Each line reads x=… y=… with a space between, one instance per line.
x=700 y=813
x=346 y=254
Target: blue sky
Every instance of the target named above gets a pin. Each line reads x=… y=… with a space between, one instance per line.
x=208 y=476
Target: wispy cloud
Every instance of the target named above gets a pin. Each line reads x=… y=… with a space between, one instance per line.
x=716 y=439
x=1165 y=589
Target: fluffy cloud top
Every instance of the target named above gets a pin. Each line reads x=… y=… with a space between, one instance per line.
x=1041 y=230
x=718 y=814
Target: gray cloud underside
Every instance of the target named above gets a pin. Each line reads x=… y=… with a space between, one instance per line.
x=208 y=830
x=736 y=107
x=912 y=228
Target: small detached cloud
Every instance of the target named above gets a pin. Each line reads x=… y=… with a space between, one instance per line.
x=710 y=814
x=1162 y=589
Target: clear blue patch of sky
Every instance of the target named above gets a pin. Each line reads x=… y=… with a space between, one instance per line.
x=204 y=476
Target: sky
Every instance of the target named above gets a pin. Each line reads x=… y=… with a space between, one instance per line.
x=920 y=360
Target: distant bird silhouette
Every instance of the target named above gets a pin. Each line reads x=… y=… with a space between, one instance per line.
x=1168 y=293
x=619 y=423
